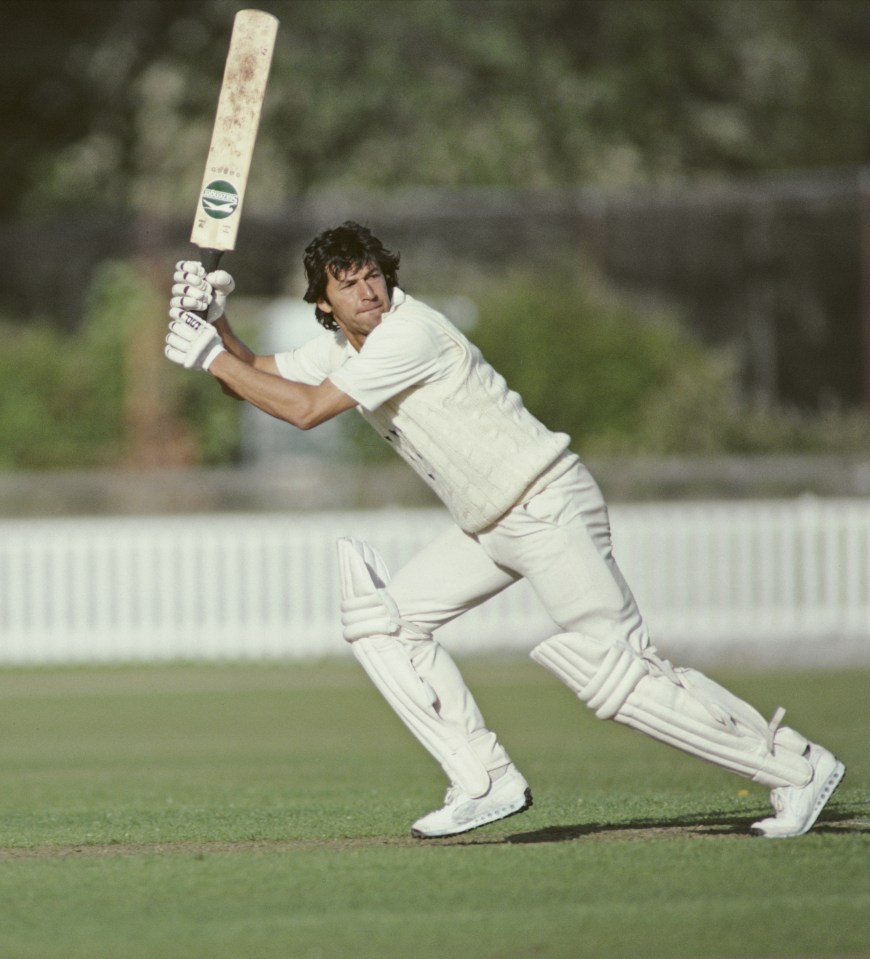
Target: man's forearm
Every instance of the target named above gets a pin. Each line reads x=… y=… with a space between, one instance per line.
x=241 y=351
x=233 y=344
x=299 y=404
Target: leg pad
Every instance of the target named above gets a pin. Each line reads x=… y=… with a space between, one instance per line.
x=372 y=626
x=680 y=707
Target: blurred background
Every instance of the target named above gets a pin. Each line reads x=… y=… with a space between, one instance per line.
x=653 y=218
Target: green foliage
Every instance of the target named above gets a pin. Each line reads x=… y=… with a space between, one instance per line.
x=75 y=400
x=125 y=324
x=60 y=406
x=755 y=428
x=435 y=92
x=442 y=93
x=213 y=420
x=588 y=364
x=620 y=380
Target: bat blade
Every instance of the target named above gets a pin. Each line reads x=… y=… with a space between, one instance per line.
x=219 y=207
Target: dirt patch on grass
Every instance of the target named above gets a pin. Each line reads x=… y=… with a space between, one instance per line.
x=593 y=832
x=196 y=850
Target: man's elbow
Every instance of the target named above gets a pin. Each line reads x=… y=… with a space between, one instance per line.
x=312 y=406
x=308 y=418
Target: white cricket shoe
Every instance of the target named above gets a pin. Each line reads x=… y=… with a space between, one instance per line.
x=798 y=807
x=507 y=796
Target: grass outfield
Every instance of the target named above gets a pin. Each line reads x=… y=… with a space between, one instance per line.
x=250 y=812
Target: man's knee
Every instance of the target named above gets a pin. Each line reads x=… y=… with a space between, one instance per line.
x=367 y=606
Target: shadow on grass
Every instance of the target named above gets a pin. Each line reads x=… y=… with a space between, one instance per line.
x=705 y=824
x=844 y=821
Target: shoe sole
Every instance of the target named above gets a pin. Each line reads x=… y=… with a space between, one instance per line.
x=502 y=812
x=835 y=777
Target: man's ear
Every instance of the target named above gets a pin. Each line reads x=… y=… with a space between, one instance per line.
x=324 y=305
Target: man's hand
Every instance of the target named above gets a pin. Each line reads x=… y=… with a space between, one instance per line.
x=191 y=341
x=194 y=289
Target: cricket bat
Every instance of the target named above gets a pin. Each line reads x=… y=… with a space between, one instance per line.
x=246 y=73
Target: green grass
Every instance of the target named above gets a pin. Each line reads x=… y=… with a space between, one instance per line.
x=262 y=811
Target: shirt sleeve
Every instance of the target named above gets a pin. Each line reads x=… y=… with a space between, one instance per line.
x=398 y=354
x=314 y=361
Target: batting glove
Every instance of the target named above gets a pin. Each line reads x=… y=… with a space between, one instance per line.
x=192 y=342
x=194 y=289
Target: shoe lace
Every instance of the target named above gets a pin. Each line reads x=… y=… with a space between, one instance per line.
x=452 y=794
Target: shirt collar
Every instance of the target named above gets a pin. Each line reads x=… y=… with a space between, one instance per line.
x=397 y=299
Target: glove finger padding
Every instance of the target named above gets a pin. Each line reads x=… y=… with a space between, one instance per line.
x=189 y=298
x=189 y=271
x=186 y=324
x=190 y=288
x=194 y=289
x=222 y=284
x=191 y=341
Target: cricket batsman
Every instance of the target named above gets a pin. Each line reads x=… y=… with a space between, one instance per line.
x=523 y=505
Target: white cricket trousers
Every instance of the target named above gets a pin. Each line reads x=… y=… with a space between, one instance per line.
x=560 y=542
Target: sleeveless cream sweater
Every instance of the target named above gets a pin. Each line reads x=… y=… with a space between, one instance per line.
x=467 y=435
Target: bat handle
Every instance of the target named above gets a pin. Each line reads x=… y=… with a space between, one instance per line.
x=210 y=260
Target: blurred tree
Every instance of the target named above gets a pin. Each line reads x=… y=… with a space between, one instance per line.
x=618 y=381
x=108 y=107
x=68 y=73
x=110 y=104
x=589 y=365
x=88 y=400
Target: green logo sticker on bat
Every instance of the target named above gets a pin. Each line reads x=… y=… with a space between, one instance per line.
x=220 y=199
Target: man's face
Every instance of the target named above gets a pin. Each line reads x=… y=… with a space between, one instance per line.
x=356 y=300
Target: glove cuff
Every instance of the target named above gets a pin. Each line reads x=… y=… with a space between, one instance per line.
x=212 y=354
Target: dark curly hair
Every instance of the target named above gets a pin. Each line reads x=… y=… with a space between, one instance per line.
x=340 y=250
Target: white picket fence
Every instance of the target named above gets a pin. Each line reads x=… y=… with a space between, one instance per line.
x=780 y=581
